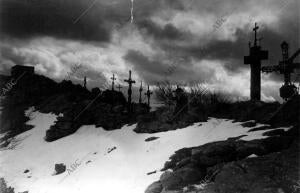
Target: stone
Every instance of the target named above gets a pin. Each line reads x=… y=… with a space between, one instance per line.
x=190 y=175
x=274 y=132
x=276 y=172
x=60 y=168
x=249 y=124
x=155 y=187
x=170 y=181
x=151 y=139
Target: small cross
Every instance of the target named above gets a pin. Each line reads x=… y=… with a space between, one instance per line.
x=119 y=87
x=255 y=34
x=255 y=27
x=140 y=90
x=130 y=82
x=148 y=94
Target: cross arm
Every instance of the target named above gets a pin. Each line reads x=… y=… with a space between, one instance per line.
x=294 y=55
x=268 y=69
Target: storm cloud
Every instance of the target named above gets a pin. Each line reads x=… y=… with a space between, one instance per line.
x=203 y=40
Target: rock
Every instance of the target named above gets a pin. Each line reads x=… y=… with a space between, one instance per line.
x=213 y=153
x=274 y=132
x=181 y=177
x=246 y=148
x=118 y=109
x=190 y=175
x=236 y=138
x=4 y=188
x=153 y=172
x=155 y=187
x=26 y=171
x=171 y=191
x=183 y=162
x=265 y=127
x=249 y=124
x=170 y=181
x=276 y=172
x=151 y=139
x=60 y=168
x=169 y=165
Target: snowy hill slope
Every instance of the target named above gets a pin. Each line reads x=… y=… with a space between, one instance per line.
x=106 y=161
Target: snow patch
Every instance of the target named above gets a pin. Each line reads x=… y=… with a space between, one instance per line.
x=118 y=160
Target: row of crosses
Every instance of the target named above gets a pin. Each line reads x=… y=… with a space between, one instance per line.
x=286 y=67
x=148 y=94
x=130 y=81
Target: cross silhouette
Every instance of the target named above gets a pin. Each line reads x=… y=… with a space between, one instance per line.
x=113 y=82
x=119 y=87
x=140 y=90
x=130 y=82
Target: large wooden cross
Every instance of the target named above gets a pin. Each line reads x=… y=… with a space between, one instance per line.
x=130 y=82
x=286 y=67
x=254 y=59
x=113 y=82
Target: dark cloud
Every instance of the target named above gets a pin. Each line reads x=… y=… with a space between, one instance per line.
x=30 y=18
x=164 y=25
x=152 y=70
x=148 y=69
x=168 y=31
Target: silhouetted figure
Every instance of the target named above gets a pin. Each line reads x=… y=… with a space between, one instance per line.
x=285 y=67
x=181 y=100
x=141 y=90
x=148 y=94
x=84 y=82
x=130 y=82
x=254 y=59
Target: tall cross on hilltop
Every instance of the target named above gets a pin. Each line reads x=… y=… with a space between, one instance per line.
x=113 y=82
x=254 y=59
x=130 y=82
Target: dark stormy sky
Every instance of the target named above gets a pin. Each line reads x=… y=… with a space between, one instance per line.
x=171 y=40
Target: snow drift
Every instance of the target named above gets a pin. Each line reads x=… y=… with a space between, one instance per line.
x=101 y=161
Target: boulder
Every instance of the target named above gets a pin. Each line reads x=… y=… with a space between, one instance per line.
x=274 y=132
x=213 y=153
x=171 y=181
x=190 y=175
x=276 y=172
x=151 y=139
x=60 y=168
x=155 y=187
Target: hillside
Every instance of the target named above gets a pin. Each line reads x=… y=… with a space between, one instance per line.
x=87 y=140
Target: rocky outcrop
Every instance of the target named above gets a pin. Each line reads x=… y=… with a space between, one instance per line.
x=227 y=163
x=164 y=119
x=96 y=113
x=276 y=172
x=4 y=188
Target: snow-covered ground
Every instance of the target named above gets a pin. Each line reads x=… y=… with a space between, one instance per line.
x=97 y=165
